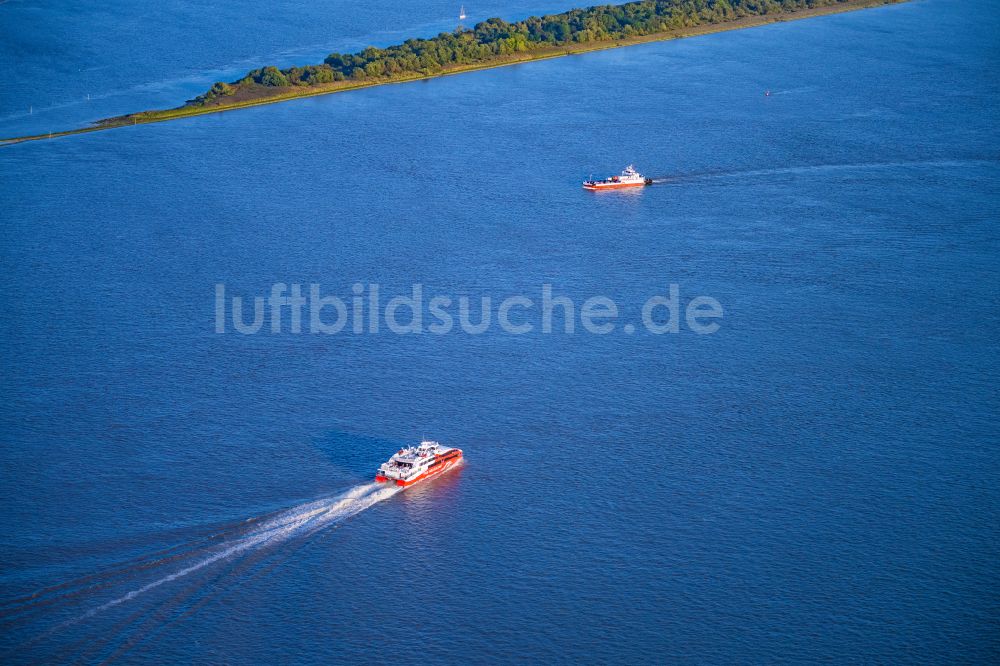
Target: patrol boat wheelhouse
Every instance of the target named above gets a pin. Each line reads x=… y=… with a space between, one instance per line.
x=416 y=463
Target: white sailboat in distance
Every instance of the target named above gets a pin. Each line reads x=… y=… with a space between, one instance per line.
x=461 y=13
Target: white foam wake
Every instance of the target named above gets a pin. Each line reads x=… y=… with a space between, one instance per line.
x=302 y=520
x=819 y=168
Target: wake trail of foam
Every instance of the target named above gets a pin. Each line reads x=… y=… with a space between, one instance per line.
x=94 y=582
x=247 y=568
x=300 y=521
x=816 y=168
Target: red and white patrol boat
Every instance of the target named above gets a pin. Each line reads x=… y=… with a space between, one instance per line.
x=629 y=178
x=416 y=463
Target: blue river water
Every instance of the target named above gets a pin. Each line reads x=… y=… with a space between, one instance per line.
x=814 y=481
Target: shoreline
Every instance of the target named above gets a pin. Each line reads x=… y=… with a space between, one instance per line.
x=291 y=93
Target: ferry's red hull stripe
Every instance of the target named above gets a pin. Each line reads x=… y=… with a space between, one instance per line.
x=611 y=186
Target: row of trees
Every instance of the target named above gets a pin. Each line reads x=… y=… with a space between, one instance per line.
x=495 y=39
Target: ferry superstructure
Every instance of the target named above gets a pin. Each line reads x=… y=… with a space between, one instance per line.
x=415 y=463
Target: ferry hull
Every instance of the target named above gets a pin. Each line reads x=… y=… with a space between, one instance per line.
x=611 y=186
x=440 y=469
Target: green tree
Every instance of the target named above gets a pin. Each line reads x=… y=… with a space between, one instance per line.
x=273 y=78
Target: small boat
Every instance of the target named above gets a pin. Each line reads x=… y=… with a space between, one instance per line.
x=461 y=13
x=628 y=178
x=416 y=463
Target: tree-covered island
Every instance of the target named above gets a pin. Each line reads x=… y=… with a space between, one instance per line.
x=492 y=43
x=496 y=41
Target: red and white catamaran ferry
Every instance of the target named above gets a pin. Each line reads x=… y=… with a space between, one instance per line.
x=416 y=463
x=629 y=178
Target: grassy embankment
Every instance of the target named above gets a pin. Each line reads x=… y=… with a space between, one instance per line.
x=256 y=96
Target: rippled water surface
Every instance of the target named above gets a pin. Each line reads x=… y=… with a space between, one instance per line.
x=816 y=480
